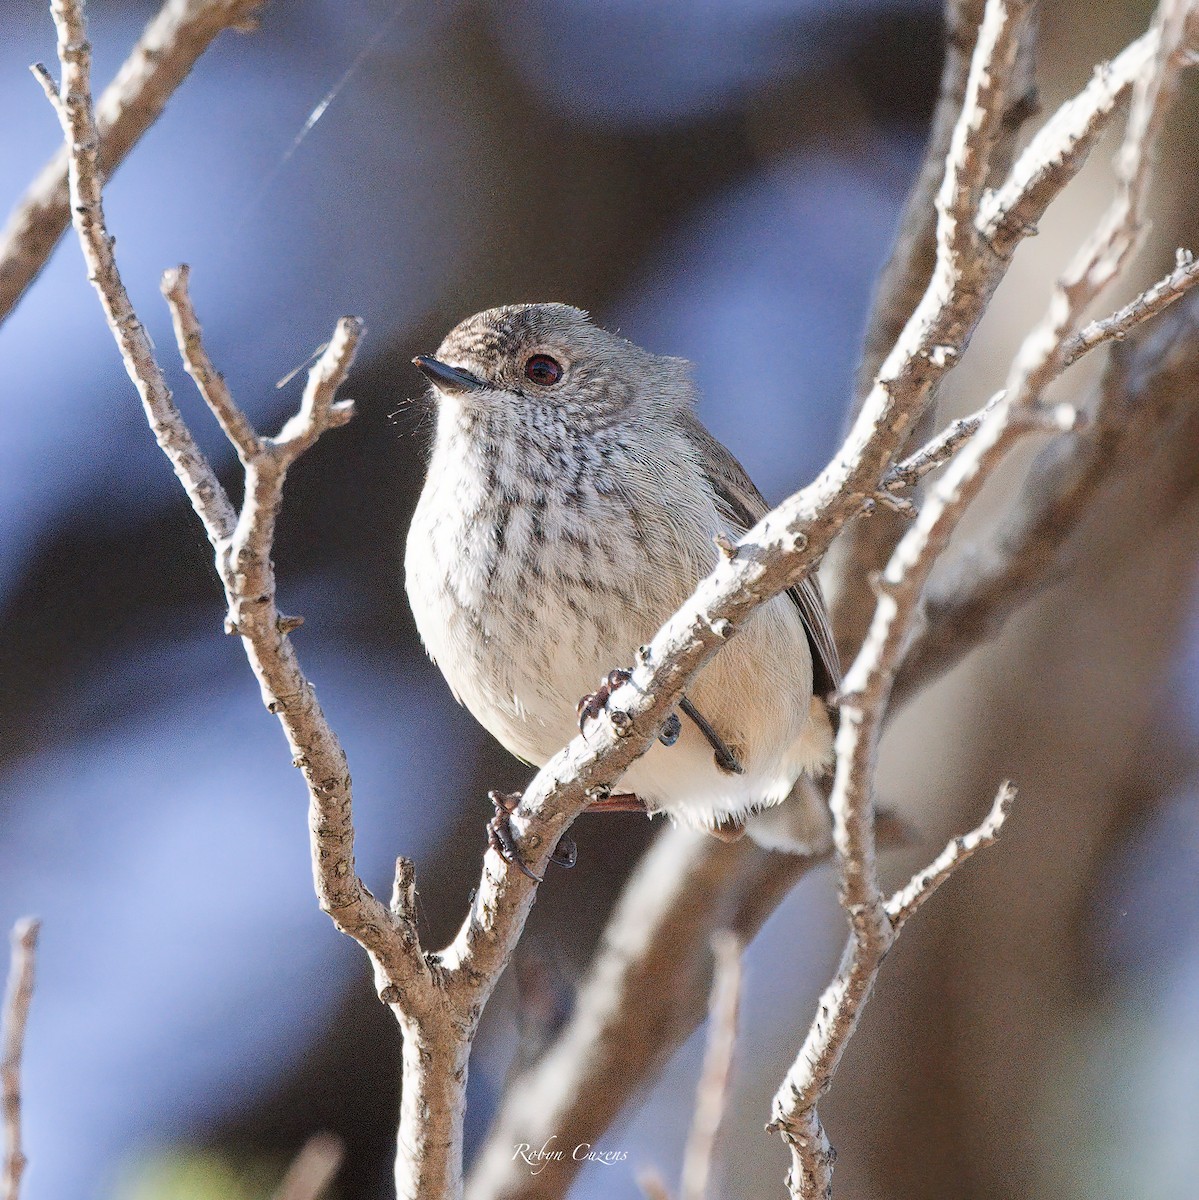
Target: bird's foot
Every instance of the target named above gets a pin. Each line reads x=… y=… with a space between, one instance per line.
x=671 y=728
x=595 y=702
x=502 y=840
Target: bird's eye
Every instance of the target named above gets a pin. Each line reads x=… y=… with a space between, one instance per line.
x=543 y=370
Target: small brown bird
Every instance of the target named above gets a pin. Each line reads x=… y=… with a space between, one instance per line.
x=570 y=507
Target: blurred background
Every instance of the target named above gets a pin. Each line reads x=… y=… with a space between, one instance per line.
x=718 y=179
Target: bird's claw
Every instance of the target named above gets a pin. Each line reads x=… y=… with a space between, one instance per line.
x=672 y=727
x=501 y=839
x=594 y=703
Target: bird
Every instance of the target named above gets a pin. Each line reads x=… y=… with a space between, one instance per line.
x=572 y=502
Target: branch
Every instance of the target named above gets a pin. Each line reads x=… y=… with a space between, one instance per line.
x=910 y=266
x=712 y=1092
x=1149 y=303
x=1152 y=301
x=1061 y=148
x=74 y=109
x=585 y=1078
x=866 y=690
x=157 y=65
x=437 y=998
x=1005 y=217
x=642 y=997
x=905 y=902
x=630 y=993
x=957 y=160
x=17 y=998
x=210 y=383
x=937 y=452
x=436 y=1032
x=1146 y=388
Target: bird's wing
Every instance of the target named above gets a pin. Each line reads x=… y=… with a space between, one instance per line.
x=744 y=506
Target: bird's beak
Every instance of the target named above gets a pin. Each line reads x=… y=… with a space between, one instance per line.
x=449 y=379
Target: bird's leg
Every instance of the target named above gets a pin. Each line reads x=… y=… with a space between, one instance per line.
x=501 y=840
x=620 y=802
x=726 y=760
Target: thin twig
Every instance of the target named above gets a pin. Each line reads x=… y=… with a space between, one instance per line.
x=1144 y=388
x=939 y=450
x=905 y=902
x=209 y=381
x=157 y=65
x=17 y=998
x=1149 y=303
x=1116 y=327
x=72 y=103
x=712 y=1093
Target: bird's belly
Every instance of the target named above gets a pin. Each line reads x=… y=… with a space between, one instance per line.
x=520 y=643
x=518 y=647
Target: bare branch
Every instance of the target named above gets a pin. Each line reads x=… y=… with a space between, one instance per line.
x=642 y=997
x=933 y=255
x=865 y=694
x=922 y=885
x=157 y=65
x=209 y=381
x=313 y=1169
x=866 y=690
x=318 y=410
x=72 y=103
x=977 y=129
x=919 y=359
x=1145 y=389
x=17 y=998
x=906 y=275
x=1149 y=303
x=712 y=1093
x=437 y=998
x=1060 y=148
x=1152 y=301
x=865 y=546
x=644 y=993
x=436 y=1033
x=1060 y=418
x=940 y=450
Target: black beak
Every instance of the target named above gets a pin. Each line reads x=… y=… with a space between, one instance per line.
x=449 y=379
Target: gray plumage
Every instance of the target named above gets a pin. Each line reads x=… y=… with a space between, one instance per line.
x=563 y=519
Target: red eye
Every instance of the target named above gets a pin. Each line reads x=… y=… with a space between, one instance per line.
x=543 y=370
